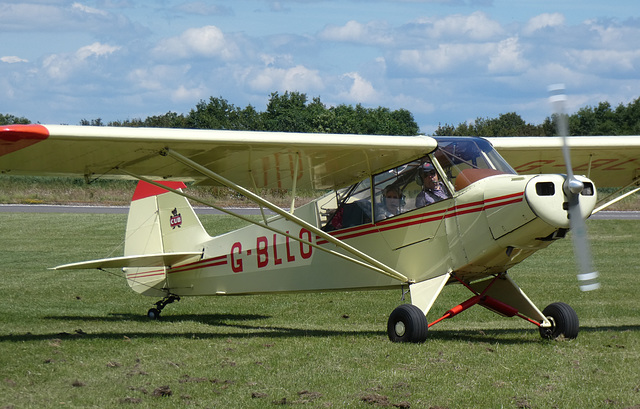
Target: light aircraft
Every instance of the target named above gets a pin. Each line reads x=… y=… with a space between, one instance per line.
x=412 y=213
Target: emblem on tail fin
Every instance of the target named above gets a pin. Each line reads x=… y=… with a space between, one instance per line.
x=176 y=219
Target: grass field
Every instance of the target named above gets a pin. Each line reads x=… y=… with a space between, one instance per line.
x=81 y=339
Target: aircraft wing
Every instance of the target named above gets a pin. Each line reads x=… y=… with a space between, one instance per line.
x=250 y=159
x=610 y=161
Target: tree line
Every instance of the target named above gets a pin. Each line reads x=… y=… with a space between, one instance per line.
x=587 y=121
x=293 y=112
x=289 y=112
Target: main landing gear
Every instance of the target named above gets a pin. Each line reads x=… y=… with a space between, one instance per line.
x=154 y=313
x=564 y=322
x=407 y=323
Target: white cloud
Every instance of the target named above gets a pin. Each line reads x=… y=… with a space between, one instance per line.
x=612 y=35
x=203 y=9
x=374 y=32
x=188 y=94
x=60 y=17
x=208 y=41
x=446 y=58
x=12 y=59
x=360 y=90
x=298 y=78
x=27 y=16
x=476 y=26
x=62 y=66
x=158 y=77
x=543 y=21
x=88 y=10
x=507 y=57
x=96 y=49
x=610 y=61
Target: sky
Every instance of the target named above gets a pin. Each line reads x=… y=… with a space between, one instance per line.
x=446 y=61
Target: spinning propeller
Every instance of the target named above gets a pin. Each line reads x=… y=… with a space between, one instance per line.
x=587 y=276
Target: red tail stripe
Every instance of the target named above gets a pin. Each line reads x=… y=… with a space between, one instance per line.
x=145 y=189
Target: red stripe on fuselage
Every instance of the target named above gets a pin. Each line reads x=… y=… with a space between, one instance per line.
x=145 y=274
x=16 y=137
x=412 y=220
x=210 y=262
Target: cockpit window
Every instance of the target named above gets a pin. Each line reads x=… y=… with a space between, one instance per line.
x=413 y=185
x=467 y=160
x=408 y=187
x=395 y=191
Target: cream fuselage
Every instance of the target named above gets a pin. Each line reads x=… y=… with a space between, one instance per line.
x=483 y=229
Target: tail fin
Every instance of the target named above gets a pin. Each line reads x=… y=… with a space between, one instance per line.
x=159 y=222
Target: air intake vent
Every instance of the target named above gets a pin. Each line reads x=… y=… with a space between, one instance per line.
x=588 y=189
x=545 y=189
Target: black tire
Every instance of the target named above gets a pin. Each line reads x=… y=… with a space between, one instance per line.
x=407 y=323
x=153 y=314
x=564 y=319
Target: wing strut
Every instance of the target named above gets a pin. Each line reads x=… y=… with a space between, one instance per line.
x=369 y=262
x=295 y=184
x=251 y=221
x=286 y=215
x=616 y=199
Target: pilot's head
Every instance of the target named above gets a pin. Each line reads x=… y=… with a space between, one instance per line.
x=392 y=199
x=427 y=176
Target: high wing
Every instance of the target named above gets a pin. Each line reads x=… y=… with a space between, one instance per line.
x=250 y=159
x=610 y=161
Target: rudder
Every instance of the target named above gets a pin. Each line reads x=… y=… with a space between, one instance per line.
x=159 y=221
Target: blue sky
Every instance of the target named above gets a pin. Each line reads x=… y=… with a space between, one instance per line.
x=446 y=61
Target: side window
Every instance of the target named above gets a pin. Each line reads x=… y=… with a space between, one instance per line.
x=407 y=187
x=390 y=198
x=395 y=191
x=351 y=207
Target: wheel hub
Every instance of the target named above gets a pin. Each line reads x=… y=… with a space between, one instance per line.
x=400 y=328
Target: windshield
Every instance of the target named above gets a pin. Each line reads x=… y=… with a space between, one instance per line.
x=466 y=160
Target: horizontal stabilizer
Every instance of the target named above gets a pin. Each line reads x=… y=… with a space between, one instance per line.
x=147 y=260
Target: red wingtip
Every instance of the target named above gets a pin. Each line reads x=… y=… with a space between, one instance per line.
x=16 y=137
x=14 y=133
x=145 y=189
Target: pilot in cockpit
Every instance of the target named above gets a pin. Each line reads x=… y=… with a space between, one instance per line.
x=433 y=190
x=392 y=201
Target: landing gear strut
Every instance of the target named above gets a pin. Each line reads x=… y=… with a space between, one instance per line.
x=407 y=323
x=154 y=313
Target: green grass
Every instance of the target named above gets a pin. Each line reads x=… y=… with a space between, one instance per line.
x=81 y=339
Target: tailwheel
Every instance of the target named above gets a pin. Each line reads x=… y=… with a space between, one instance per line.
x=407 y=323
x=564 y=322
x=154 y=313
